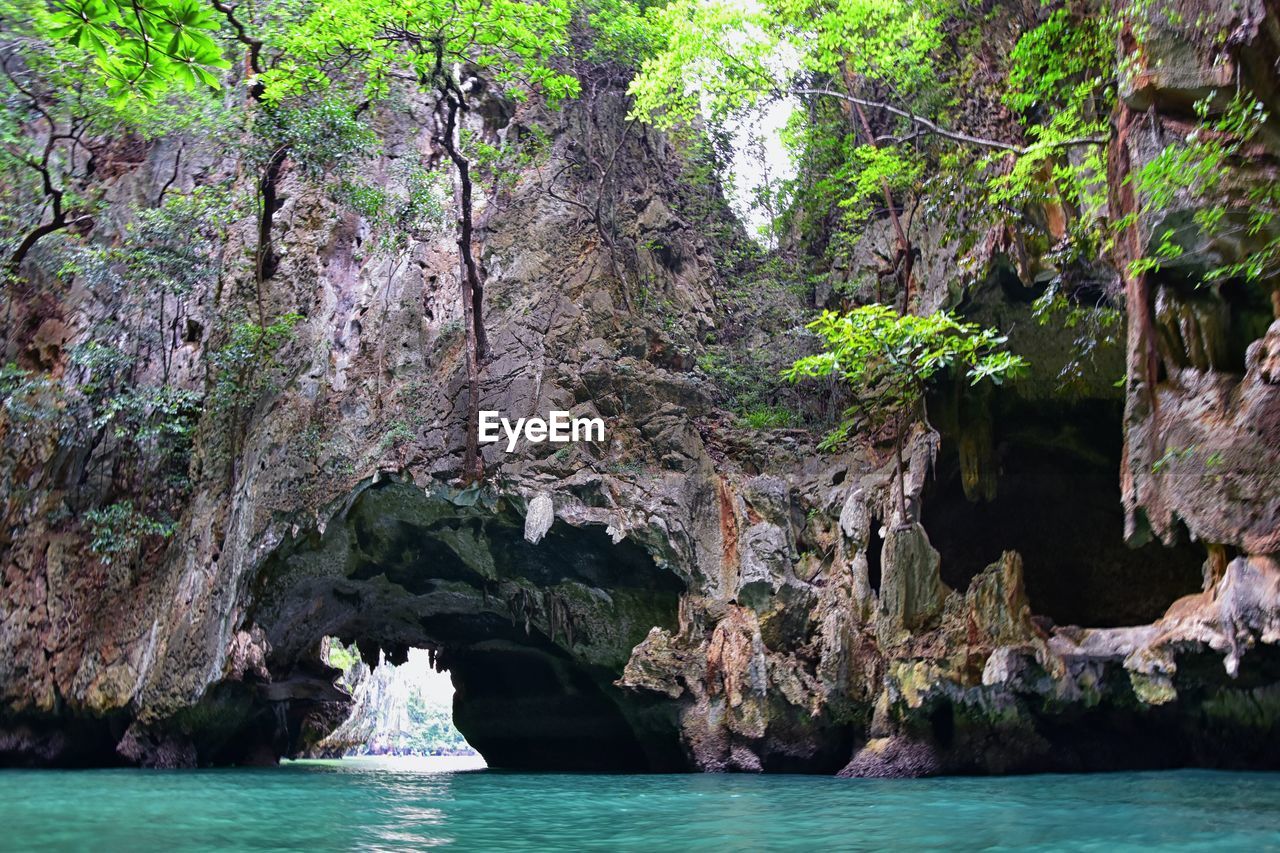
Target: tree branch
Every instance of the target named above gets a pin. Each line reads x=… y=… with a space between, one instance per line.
x=955 y=135
x=254 y=45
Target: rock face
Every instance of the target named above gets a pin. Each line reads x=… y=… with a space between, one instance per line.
x=688 y=593
x=1201 y=408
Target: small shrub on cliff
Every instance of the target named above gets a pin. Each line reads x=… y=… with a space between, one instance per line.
x=889 y=359
x=29 y=395
x=158 y=421
x=119 y=529
x=771 y=417
x=244 y=367
x=319 y=136
x=413 y=207
x=242 y=371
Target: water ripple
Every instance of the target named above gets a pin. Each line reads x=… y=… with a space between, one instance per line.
x=328 y=806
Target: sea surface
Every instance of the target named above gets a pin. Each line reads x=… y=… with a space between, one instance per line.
x=372 y=805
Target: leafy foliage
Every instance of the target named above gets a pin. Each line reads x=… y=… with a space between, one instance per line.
x=723 y=57
x=719 y=59
x=335 y=654
x=119 y=529
x=166 y=252
x=396 y=214
x=244 y=367
x=145 y=413
x=771 y=417
x=30 y=395
x=888 y=360
x=512 y=43
x=154 y=423
x=151 y=425
x=874 y=89
x=432 y=731
x=1062 y=86
x=1199 y=169
x=141 y=47
x=318 y=135
x=61 y=124
x=622 y=31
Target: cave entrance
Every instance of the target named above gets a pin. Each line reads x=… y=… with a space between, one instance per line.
x=404 y=711
x=1056 y=500
x=533 y=636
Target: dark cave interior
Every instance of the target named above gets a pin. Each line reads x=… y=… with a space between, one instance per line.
x=1054 y=470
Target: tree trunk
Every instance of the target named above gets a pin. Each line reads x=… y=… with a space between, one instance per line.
x=904 y=243
x=900 y=470
x=471 y=285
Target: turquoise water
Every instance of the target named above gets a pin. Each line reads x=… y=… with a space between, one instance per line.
x=356 y=806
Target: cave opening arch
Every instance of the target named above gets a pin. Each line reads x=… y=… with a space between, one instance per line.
x=533 y=635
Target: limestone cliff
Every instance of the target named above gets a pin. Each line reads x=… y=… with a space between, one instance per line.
x=691 y=593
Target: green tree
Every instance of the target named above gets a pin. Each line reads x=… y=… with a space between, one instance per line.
x=453 y=50
x=1205 y=166
x=296 y=54
x=50 y=134
x=59 y=125
x=888 y=361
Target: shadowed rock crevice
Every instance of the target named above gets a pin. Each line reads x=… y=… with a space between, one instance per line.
x=33 y=741
x=533 y=635
x=1208 y=327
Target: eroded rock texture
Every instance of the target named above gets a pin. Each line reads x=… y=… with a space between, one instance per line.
x=689 y=594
